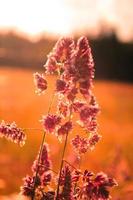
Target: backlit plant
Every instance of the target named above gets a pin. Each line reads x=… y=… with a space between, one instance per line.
x=74 y=68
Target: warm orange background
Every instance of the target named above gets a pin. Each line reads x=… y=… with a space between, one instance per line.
x=33 y=28
x=113 y=154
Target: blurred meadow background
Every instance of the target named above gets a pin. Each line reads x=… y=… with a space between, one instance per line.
x=28 y=31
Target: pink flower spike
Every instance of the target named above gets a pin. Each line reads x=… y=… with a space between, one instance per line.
x=61 y=56
x=66 y=183
x=96 y=187
x=43 y=166
x=45 y=162
x=12 y=133
x=63 y=109
x=88 y=117
x=87 y=112
x=93 y=140
x=51 y=65
x=28 y=188
x=63 y=49
x=50 y=122
x=71 y=93
x=60 y=85
x=78 y=105
x=84 y=67
x=40 y=83
x=80 y=144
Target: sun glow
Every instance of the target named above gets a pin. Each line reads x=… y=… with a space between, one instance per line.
x=64 y=17
x=35 y=16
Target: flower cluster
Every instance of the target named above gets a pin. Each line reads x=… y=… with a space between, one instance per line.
x=66 y=184
x=63 y=109
x=28 y=188
x=73 y=185
x=80 y=186
x=12 y=133
x=40 y=83
x=61 y=57
x=50 y=122
x=95 y=187
x=71 y=59
x=80 y=144
x=42 y=174
x=87 y=120
x=73 y=64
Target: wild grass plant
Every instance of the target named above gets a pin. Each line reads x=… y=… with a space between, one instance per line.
x=73 y=64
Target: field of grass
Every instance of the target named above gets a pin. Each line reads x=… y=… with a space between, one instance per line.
x=113 y=154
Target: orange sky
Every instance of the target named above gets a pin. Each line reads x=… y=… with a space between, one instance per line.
x=68 y=16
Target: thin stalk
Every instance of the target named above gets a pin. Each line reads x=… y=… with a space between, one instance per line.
x=49 y=169
x=51 y=102
x=32 y=129
x=41 y=147
x=63 y=153
x=62 y=160
x=70 y=164
x=80 y=159
x=38 y=163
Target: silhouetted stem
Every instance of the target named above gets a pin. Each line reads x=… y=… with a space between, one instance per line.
x=41 y=148
x=38 y=163
x=62 y=159
x=32 y=129
x=49 y=169
x=70 y=164
x=80 y=160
